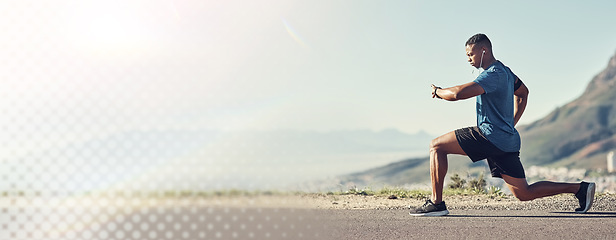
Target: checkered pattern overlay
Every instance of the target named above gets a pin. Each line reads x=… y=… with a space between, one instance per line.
x=101 y=138
x=151 y=217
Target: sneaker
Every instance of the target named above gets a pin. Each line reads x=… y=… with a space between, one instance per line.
x=585 y=195
x=430 y=209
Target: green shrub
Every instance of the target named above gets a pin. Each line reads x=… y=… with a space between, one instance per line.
x=478 y=184
x=456 y=182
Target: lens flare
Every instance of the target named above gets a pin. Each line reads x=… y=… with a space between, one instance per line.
x=293 y=33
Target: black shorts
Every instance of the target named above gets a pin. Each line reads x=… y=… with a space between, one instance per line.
x=477 y=147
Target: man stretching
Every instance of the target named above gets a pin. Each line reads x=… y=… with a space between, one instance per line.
x=501 y=100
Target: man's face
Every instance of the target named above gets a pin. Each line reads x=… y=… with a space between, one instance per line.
x=473 y=52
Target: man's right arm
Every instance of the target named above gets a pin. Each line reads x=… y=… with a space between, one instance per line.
x=520 y=97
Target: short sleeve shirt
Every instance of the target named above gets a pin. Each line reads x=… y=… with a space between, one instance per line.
x=495 y=107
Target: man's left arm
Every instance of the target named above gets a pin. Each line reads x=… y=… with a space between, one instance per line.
x=464 y=91
x=520 y=98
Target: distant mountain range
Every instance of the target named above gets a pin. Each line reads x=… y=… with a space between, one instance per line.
x=579 y=134
x=212 y=159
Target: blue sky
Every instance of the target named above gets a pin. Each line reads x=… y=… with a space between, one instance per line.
x=328 y=65
x=306 y=65
x=370 y=65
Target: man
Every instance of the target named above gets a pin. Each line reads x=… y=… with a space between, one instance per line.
x=501 y=100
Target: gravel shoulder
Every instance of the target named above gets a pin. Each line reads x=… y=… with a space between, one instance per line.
x=564 y=202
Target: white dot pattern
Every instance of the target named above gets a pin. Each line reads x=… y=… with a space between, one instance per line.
x=100 y=143
x=69 y=218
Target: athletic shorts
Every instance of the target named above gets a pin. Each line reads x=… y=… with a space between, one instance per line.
x=477 y=147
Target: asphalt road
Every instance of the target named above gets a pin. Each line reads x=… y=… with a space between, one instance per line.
x=269 y=223
x=471 y=224
x=205 y=222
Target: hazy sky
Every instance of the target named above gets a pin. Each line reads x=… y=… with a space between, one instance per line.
x=307 y=65
x=97 y=84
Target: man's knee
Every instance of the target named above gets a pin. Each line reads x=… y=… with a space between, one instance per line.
x=435 y=145
x=522 y=194
x=519 y=188
x=438 y=145
x=445 y=144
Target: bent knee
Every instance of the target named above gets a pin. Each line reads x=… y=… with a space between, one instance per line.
x=447 y=143
x=524 y=198
x=523 y=195
x=436 y=144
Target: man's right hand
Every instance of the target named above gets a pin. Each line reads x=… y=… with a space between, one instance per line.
x=434 y=88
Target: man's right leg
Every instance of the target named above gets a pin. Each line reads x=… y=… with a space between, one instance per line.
x=524 y=192
x=440 y=147
x=584 y=192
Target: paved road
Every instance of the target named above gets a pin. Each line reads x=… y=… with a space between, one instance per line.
x=472 y=224
x=268 y=223
x=203 y=222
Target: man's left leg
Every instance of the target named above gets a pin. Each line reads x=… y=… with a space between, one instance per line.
x=440 y=147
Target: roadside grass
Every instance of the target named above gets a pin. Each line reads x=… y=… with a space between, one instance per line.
x=457 y=186
x=399 y=192
x=390 y=192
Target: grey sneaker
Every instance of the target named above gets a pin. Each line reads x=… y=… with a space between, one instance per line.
x=585 y=196
x=430 y=209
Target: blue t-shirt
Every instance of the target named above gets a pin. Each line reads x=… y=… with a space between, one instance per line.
x=495 y=107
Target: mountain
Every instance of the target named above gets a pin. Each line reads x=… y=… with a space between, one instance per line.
x=209 y=159
x=578 y=134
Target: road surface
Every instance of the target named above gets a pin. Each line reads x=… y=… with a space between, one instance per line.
x=471 y=224
x=197 y=220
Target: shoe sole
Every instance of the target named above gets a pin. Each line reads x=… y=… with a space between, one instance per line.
x=590 y=196
x=431 y=214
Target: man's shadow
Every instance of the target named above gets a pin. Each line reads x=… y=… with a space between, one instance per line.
x=556 y=215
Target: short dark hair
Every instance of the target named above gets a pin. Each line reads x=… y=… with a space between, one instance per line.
x=480 y=39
